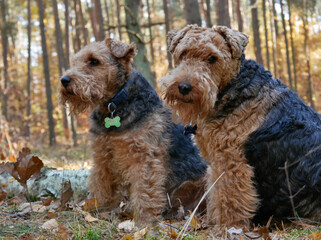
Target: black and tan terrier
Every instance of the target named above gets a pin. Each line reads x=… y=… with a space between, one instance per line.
x=250 y=126
x=134 y=141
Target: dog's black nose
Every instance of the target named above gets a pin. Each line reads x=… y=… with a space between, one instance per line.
x=65 y=81
x=184 y=88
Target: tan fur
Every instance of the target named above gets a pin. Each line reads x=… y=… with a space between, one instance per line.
x=136 y=158
x=234 y=199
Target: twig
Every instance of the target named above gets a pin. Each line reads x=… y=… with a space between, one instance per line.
x=181 y=234
x=289 y=187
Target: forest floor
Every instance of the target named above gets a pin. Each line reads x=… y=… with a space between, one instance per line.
x=83 y=220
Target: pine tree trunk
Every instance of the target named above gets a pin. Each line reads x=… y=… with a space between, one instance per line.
x=307 y=53
x=107 y=17
x=99 y=21
x=276 y=28
x=150 y=32
x=192 y=12
x=286 y=46
x=77 y=42
x=51 y=123
x=83 y=23
x=206 y=8
x=256 y=32
x=61 y=60
x=223 y=16
x=272 y=22
x=169 y=56
x=292 y=47
x=239 y=16
x=119 y=20
x=266 y=35
x=4 y=39
x=29 y=71
x=134 y=34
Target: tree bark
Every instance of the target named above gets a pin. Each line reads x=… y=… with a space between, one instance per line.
x=307 y=52
x=107 y=16
x=239 y=16
x=29 y=71
x=83 y=23
x=272 y=22
x=192 y=12
x=207 y=12
x=286 y=46
x=118 y=19
x=51 y=123
x=256 y=32
x=276 y=28
x=61 y=61
x=223 y=16
x=169 y=56
x=77 y=42
x=99 y=20
x=266 y=35
x=67 y=64
x=134 y=34
x=4 y=39
x=292 y=46
x=150 y=32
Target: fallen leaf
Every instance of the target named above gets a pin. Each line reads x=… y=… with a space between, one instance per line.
x=16 y=200
x=127 y=225
x=51 y=214
x=12 y=157
x=66 y=194
x=46 y=201
x=90 y=218
x=140 y=234
x=26 y=166
x=233 y=232
x=64 y=233
x=315 y=236
x=91 y=204
x=50 y=224
x=3 y=194
x=195 y=224
x=26 y=236
x=127 y=237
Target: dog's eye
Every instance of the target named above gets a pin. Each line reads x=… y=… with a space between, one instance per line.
x=183 y=54
x=94 y=62
x=212 y=59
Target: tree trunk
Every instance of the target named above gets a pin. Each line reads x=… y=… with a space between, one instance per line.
x=77 y=42
x=256 y=32
x=118 y=19
x=169 y=56
x=107 y=16
x=4 y=39
x=273 y=38
x=223 y=16
x=286 y=46
x=67 y=64
x=83 y=23
x=99 y=20
x=239 y=16
x=307 y=52
x=266 y=35
x=51 y=123
x=61 y=60
x=150 y=32
x=134 y=34
x=192 y=12
x=276 y=28
x=207 y=12
x=292 y=46
x=29 y=71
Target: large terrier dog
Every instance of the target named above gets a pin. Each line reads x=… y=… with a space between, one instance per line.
x=250 y=126
x=134 y=141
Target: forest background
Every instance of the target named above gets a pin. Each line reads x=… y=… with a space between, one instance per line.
x=38 y=38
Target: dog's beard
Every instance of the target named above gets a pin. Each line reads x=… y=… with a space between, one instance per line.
x=190 y=108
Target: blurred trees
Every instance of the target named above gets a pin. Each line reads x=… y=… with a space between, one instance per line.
x=36 y=45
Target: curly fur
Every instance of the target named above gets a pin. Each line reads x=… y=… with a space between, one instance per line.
x=249 y=125
x=148 y=154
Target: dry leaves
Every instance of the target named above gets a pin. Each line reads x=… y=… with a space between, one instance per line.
x=26 y=166
x=91 y=204
x=64 y=233
x=66 y=193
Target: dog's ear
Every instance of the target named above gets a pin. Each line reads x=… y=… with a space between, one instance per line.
x=236 y=40
x=120 y=49
x=174 y=37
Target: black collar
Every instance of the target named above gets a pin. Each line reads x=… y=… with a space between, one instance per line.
x=122 y=95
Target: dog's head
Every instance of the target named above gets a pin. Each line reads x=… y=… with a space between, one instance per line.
x=206 y=59
x=97 y=73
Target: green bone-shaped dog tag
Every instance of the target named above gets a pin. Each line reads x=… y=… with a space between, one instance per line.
x=112 y=122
